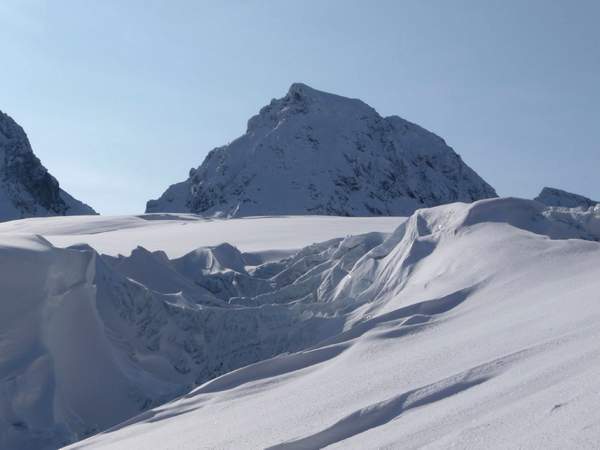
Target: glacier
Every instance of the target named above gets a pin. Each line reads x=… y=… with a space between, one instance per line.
x=454 y=326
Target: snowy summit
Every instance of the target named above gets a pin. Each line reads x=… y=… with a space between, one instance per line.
x=312 y=152
x=26 y=187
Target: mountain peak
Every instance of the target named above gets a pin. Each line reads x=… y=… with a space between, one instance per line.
x=312 y=152
x=9 y=129
x=27 y=189
x=299 y=90
x=557 y=197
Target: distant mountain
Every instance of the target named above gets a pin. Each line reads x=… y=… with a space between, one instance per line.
x=26 y=187
x=557 y=197
x=311 y=152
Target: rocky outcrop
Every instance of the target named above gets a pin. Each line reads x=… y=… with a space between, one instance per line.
x=27 y=189
x=557 y=197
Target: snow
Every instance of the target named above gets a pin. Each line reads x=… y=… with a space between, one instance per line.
x=465 y=325
x=177 y=234
x=88 y=341
x=312 y=152
x=476 y=332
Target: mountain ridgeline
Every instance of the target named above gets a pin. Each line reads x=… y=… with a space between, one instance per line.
x=312 y=152
x=27 y=189
x=557 y=197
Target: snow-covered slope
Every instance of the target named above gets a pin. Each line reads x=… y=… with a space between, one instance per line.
x=87 y=341
x=311 y=152
x=177 y=234
x=26 y=187
x=465 y=322
x=471 y=326
x=559 y=198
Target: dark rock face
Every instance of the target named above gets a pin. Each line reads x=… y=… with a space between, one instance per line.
x=311 y=152
x=557 y=197
x=27 y=189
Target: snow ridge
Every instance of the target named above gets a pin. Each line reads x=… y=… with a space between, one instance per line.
x=312 y=152
x=26 y=187
x=145 y=328
x=514 y=285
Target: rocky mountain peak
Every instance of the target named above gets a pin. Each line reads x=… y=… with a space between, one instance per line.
x=27 y=189
x=557 y=197
x=311 y=152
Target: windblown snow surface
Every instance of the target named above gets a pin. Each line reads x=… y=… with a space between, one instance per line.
x=470 y=325
x=177 y=234
x=87 y=341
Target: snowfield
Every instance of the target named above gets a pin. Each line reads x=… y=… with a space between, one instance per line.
x=88 y=341
x=177 y=234
x=463 y=326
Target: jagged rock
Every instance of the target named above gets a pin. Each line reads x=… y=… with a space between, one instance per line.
x=26 y=187
x=557 y=197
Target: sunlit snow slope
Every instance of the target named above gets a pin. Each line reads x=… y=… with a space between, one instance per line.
x=87 y=341
x=467 y=325
x=177 y=234
x=471 y=326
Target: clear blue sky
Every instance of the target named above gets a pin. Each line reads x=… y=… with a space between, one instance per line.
x=121 y=98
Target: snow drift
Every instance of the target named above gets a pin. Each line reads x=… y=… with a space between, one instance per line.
x=177 y=234
x=471 y=325
x=89 y=340
x=311 y=152
x=487 y=311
